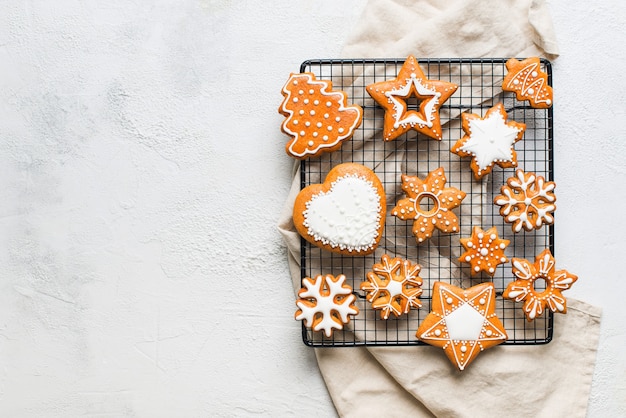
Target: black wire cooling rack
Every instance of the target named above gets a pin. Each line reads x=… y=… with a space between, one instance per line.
x=479 y=82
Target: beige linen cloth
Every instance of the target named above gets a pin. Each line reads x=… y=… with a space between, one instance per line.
x=539 y=381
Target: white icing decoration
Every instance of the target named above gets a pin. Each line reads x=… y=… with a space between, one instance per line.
x=490 y=140
x=326 y=304
x=413 y=118
x=335 y=219
x=464 y=323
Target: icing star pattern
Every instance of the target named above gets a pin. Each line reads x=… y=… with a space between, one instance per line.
x=432 y=190
x=392 y=95
x=393 y=286
x=527 y=201
x=325 y=303
x=528 y=82
x=462 y=322
x=489 y=140
x=523 y=289
x=484 y=250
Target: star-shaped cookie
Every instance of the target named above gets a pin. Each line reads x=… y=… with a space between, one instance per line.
x=462 y=322
x=393 y=96
x=429 y=204
x=484 y=250
x=489 y=140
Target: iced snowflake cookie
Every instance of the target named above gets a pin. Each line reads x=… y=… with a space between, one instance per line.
x=523 y=288
x=527 y=201
x=484 y=250
x=318 y=118
x=528 y=82
x=345 y=214
x=325 y=303
x=429 y=204
x=394 y=97
x=489 y=140
x=462 y=322
x=393 y=286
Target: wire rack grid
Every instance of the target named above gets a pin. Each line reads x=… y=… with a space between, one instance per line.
x=479 y=82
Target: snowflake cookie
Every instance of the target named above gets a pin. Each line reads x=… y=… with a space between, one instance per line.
x=393 y=286
x=489 y=140
x=484 y=250
x=528 y=82
x=393 y=96
x=523 y=289
x=325 y=303
x=429 y=204
x=317 y=118
x=527 y=201
x=462 y=322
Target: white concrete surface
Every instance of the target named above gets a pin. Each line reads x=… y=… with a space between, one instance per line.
x=142 y=172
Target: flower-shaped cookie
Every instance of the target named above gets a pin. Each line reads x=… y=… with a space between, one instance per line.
x=484 y=250
x=393 y=286
x=462 y=322
x=528 y=82
x=325 y=303
x=489 y=140
x=429 y=204
x=393 y=95
x=527 y=201
x=523 y=289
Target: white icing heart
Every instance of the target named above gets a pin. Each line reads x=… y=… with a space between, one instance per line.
x=347 y=216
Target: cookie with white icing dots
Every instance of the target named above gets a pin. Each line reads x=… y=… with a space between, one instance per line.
x=489 y=140
x=317 y=118
x=429 y=204
x=527 y=201
x=393 y=286
x=528 y=82
x=394 y=96
x=537 y=300
x=346 y=213
x=484 y=250
x=462 y=321
x=325 y=303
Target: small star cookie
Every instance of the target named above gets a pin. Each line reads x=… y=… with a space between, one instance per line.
x=484 y=250
x=393 y=95
x=528 y=82
x=489 y=140
x=429 y=204
x=462 y=322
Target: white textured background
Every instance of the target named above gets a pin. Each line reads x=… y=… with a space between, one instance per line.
x=142 y=172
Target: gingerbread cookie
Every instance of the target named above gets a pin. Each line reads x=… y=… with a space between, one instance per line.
x=484 y=250
x=318 y=118
x=421 y=194
x=527 y=201
x=489 y=140
x=462 y=322
x=393 y=96
x=345 y=214
x=528 y=82
x=325 y=303
x=393 y=286
x=523 y=288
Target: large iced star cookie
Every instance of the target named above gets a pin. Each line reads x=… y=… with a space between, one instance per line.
x=393 y=96
x=462 y=322
x=489 y=140
x=345 y=214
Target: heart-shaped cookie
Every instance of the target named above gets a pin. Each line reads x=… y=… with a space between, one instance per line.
x=346 y=213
